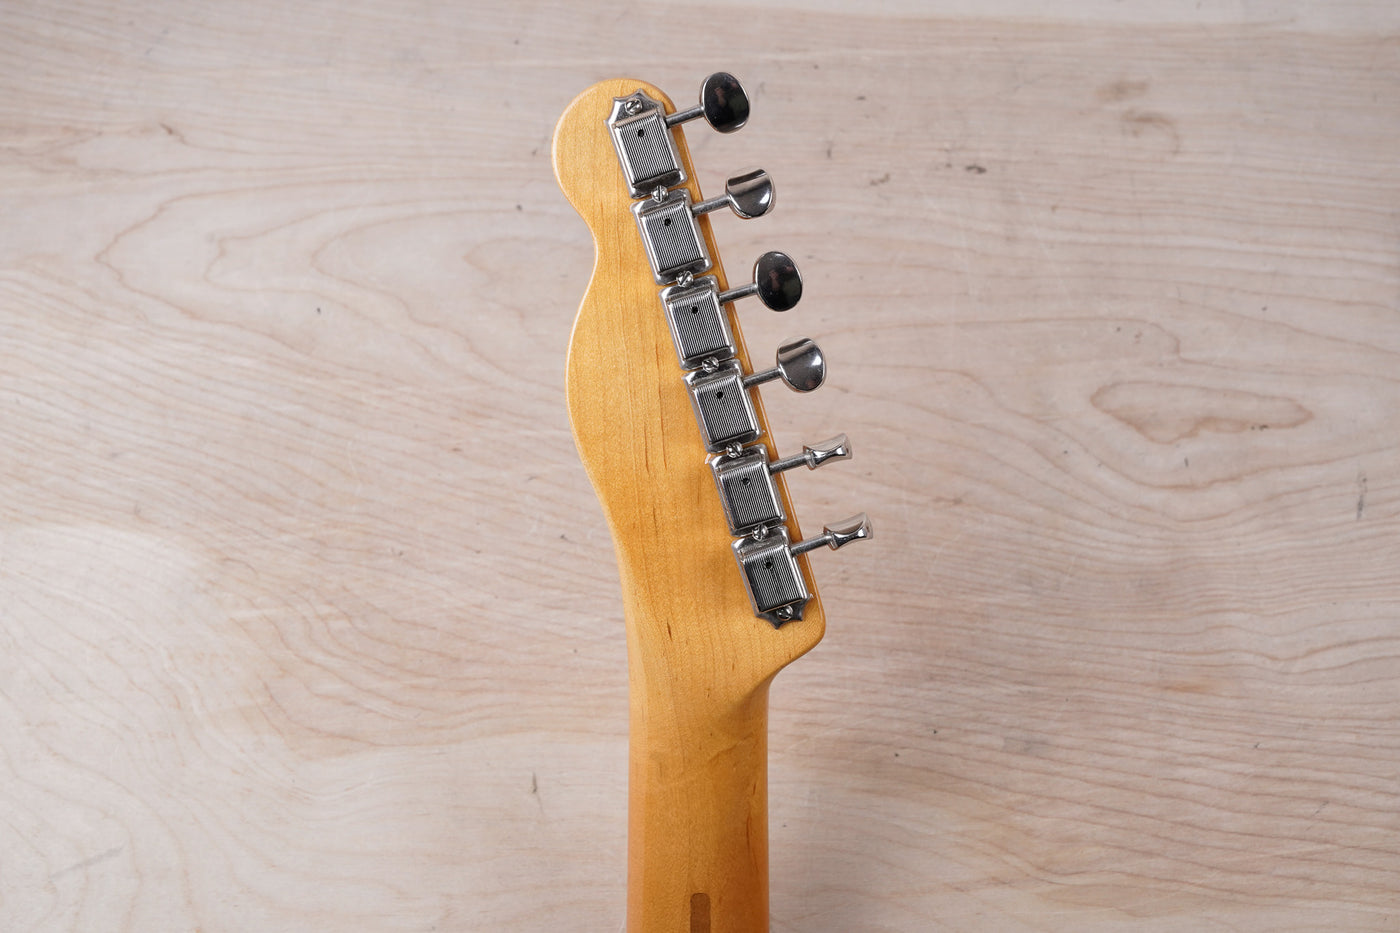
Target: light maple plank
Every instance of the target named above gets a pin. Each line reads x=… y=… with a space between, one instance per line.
x=309 y=618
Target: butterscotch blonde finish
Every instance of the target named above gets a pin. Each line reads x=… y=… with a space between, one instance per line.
x=699 y=662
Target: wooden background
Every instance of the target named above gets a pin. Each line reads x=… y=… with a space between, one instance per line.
x=309 y=619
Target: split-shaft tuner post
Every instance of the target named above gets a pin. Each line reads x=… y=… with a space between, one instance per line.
x=694 y=306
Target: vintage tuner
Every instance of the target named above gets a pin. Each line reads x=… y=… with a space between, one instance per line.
x=744 y=478
x=641 y=131
x=672 y=237
x=720 y=397
x=767 y=561
x=696 y=313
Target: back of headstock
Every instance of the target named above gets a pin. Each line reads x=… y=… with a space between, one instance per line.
x=717 y=593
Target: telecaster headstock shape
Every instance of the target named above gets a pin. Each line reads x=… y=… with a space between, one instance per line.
x=667 y=413
x=667 y=222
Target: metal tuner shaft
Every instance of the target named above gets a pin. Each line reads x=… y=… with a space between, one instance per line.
x=696 y=314
x=744 y=478
x=769 y=566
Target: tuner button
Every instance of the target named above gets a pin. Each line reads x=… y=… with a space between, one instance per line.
x=838 y=535
x=779 y=283
x=800 y=365
x=768 y=563
x=814 y=455
x=726 y=105
x=776 y=282
x=723 y=104
x=749 y=195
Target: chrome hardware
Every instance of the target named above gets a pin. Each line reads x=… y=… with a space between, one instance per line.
x=776 y=282
x=666 y=216
x=723 y=104
x=645 y=146
x=769 y=566
x=720 y=395
x=746 y=488
x=837 y=536
x=671 y=236
x=722 y=406
x=694 y=309
x=772 y=577
x=800 y=365
x=749 y=195
x=836 y=448
x=699 y=325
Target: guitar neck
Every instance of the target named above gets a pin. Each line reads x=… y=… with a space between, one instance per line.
x=717 y=593
x=697 y=854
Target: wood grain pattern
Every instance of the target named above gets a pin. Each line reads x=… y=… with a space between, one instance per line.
x=699 y=663
x=308 y=615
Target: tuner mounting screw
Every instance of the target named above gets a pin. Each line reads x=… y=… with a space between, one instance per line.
x=685 y=279
x=659 y=194
x=784 y=613
x=710 y=365
x=759 y=533
x=734 y=450
x=633 y=105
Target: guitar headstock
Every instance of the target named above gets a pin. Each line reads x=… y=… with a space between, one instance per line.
x=716 y=584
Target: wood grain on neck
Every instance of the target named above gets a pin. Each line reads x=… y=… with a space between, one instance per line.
x=699 y=662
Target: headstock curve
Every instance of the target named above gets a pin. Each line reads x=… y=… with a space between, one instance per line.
x=688 y=613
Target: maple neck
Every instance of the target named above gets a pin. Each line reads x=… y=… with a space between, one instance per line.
x=717 y=592
x=697 y=855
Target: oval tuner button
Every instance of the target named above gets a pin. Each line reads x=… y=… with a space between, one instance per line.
x=800 y=365
x=749 y=195
x=776 y=282
x=726 y=105
x=723 y=104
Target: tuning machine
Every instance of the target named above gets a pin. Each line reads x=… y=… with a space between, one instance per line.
x=719 y=392
x=696 y=315
x=744 y=478
x=767 y=560
x=641 y=131
x=667 y=221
